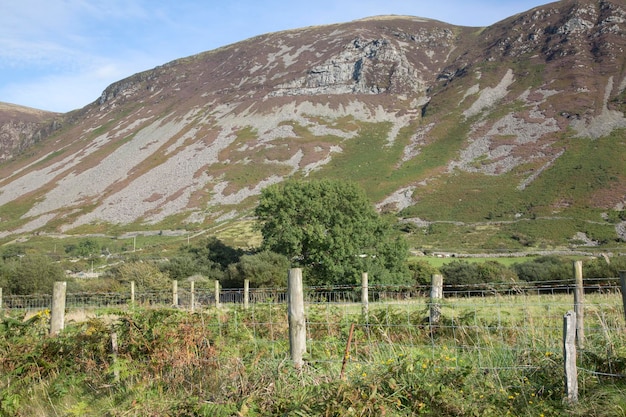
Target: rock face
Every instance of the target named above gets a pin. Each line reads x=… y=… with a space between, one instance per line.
x=403 y=105
x=22 y=127
x=363 y=67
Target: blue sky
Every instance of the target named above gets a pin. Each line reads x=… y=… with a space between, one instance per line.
x=59 y=55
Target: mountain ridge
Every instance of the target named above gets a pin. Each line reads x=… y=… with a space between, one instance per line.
x=410 y=108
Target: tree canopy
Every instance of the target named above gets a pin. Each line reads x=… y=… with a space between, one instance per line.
x=209 y=258
x=30 y=274
x=331 y=229
x=146 y=276
x=264 y=270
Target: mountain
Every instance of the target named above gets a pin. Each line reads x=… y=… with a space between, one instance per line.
x=21 y=127
x=518 y=128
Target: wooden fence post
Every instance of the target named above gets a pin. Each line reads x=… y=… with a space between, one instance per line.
x=622 y=283
x=365 y=296
x=192 y=302
x=0 y=300
x=57 y=313
x=132 y=292
x=217 y=294
x=246 y=293
x=295 y=311
x=114 y=350
x=436 y=294
x=579 y=304
x=569 y=357
x=175 y=293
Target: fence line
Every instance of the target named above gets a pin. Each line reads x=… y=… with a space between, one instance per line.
x=492 y=326
x=180 y=296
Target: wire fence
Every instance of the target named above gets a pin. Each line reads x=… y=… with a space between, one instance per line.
x=500 y=328
x=491 y=326
x=204 y=297
x=386 y=294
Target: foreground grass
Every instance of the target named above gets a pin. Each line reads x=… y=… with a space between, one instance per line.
x=490 y=356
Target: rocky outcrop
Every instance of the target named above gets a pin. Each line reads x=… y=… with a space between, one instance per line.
x=363 y=67
x=22 y=127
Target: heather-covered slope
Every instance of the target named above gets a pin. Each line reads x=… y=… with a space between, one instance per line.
x=520 y=121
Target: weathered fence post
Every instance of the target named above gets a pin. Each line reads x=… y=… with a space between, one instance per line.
x=114 y=350
x=295 y=312
x=365 y=296
x=57 y=313
x=132 y=292
x=436 y=294
x=192 y=302
x=0 y=300
x=246 y=293
x=217 y=294
x=175 y=293
x=579 y=304
x=622 y=283
x=569 y=357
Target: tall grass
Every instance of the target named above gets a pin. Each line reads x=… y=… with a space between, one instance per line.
x=489 y=356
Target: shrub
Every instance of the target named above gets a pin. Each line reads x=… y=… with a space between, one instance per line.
x=421 y=271
x=544 y=268
x=145 y=275
x=182 y=267
x=460 y=273
x=604 y=268
x=493 y=271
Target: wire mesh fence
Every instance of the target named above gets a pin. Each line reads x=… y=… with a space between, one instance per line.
x=205 y=297
x=491 y=326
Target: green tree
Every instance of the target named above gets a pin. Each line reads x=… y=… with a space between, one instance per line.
x=31 y=274
x=210 y=258
x=495 y=272
x=332 y=230
x=604 y=270
x=84 y=248
x=146 y=275
x=12 y=252
x=182 y=267
x=211 y=251
x=4 y=271
x=460 y=272
x=422 y=271
x=264 y=270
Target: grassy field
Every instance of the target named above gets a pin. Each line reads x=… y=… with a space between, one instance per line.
x=440 y=261
x=489 y=356
x=504 y=260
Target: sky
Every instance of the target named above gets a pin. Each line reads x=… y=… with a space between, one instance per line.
x=59 y=55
